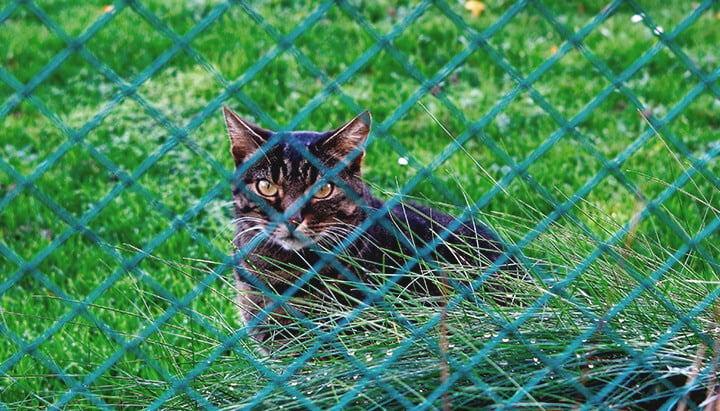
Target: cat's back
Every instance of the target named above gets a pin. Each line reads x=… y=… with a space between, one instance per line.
x=409 y=227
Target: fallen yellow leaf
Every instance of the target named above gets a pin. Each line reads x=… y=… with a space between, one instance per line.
x=108 y=9
x=476 y=7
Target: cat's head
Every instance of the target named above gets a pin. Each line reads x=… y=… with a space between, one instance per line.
x=283 y=181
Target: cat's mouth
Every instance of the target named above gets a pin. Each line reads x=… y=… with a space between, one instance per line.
x=292 y=240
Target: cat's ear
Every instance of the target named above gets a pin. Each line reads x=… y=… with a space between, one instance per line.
x=348 y=138
x=245 y=137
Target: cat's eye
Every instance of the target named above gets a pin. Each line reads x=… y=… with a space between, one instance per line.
x=324 y=191
x=266 y=188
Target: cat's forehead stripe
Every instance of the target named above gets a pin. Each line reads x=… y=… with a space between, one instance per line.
x=277 y=168
x=295 y=166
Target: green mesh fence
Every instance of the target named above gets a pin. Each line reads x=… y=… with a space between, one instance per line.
x=584 y=133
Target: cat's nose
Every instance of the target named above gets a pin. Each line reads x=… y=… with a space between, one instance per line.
x=295 y=219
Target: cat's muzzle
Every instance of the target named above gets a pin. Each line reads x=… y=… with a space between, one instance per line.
x=291 y=235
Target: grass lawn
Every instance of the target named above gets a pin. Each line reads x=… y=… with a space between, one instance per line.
x=589 y=139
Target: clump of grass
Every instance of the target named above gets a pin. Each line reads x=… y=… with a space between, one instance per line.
x=571 y=348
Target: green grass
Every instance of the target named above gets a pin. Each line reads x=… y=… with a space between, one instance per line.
x=50 y=264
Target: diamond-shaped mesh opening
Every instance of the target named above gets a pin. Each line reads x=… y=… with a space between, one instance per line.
x=653 y=157
x=622 y=206
x=30 y=290
x=430 y=43
x=527 y=52
x=652 y=91
x=129 y=376
x=168 y=93
x=476 y=87
x=668 y=157
x=620 y=28
x=610 y=139
x=321 y=118
x=395 y=85
x=39 y=135
x=66 y=93
x=693 y=132
x=74 y=339
x=289 y=96
x=125 y=135
x=128 y=313
x=22 y=62
x=686 y=216
x=29 y=226
x=87 y=279
x=408 y=156
x=132 y=53
x=69 y=178
x=234 y=58
x=571 y=97
x=172 y=178
x=576 y=167
x=129 y=209
x=521 y=126
x=349 y=37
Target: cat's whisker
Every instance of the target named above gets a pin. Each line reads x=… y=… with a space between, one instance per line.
x=334 y=241
x=363 y=236
x=249 y=219
x=328 y=234
x=350 y=229
x=336 y=236
x=245 y=236
x=240 y=234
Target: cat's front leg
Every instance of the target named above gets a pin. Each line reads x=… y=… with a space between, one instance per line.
x=252 y=305
x=270 y=329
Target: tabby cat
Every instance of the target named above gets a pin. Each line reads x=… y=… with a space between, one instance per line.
x=290 y=212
